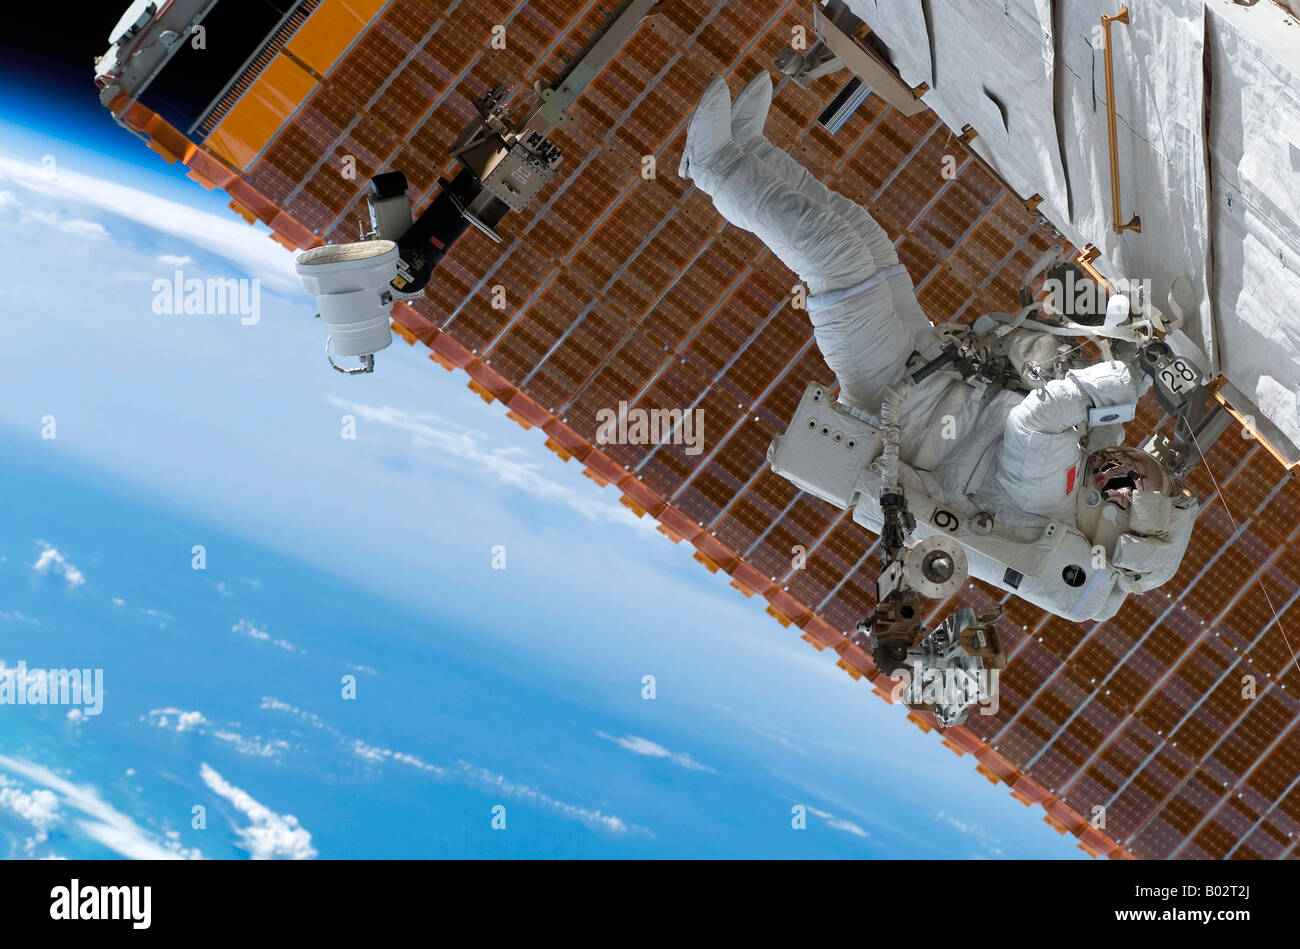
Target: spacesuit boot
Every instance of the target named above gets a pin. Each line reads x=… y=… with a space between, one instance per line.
x=861 y=300
x=709 y=152
x=749 y=112
x=809 y=237
x=748 y=124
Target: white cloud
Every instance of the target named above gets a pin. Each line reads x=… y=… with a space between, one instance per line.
x=179 y=720
x=28 y=676
x=465 y=772
x=184 y=721
x=76 y=716
x=838 y=823
x=972 y=830
x=79 y=228
x=468 y=773
x=270 y=836
x=175 y=260
x=448 y=440
x=371 y=753
x=257 y=746
x=51 y=562
x=244 y=626
x=277 y=705
x=105 y=825
x=248 y=629
x=524 y=792
x=649 y=749
x=247 y=247
x=40 y=808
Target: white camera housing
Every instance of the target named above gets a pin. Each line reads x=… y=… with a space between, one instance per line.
x=351 y=285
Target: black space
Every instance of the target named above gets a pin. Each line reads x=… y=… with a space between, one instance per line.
x=53 y=56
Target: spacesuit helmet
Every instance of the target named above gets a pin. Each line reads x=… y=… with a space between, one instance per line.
x=1105 y=499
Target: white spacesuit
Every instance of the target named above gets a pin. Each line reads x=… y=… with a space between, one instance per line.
x=1020 y=458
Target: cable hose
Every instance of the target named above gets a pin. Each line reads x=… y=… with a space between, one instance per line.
x=890 y=418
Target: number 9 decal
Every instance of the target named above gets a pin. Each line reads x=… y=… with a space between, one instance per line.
x=946 y=521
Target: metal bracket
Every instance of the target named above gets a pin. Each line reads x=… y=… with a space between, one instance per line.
x=844 y=42
x=808 y=67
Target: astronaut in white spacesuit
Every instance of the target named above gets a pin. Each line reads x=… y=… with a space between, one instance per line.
x=1020 y=457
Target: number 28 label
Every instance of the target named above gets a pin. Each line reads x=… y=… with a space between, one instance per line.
x=1178 y=376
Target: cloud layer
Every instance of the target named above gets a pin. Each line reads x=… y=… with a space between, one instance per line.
x=268 y=836
x=449 y=440
x=102 y=823
x=252 y=252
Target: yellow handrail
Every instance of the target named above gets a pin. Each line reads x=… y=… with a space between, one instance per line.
x=1136 y=223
